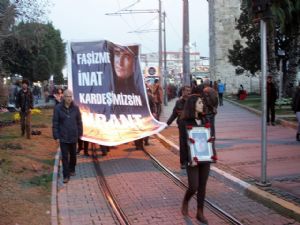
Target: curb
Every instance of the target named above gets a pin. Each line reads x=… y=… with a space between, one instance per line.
x=272 y=201
x=283 y=122
x=54 y=209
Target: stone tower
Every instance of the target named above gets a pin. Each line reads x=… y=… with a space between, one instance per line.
x=223 y=15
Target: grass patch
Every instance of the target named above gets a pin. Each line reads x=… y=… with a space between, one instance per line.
x=5 y=165
x=6 y=116
x=43 y=180
x=49 y=162
x=254 y=101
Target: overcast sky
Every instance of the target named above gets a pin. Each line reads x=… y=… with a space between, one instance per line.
x=83 y=20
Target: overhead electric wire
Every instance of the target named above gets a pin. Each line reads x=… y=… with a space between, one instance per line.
x=125 y=21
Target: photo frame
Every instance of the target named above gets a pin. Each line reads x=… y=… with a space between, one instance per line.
x=200 y=145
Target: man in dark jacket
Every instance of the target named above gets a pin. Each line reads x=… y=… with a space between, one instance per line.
x=177 y=110
x=67 y=128
x=186 y=91
x=24 y=101
x=271 y=99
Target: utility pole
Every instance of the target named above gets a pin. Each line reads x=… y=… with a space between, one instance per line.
x=160 y=44
x=165 y=62
x=185 y=44
x=262 y=9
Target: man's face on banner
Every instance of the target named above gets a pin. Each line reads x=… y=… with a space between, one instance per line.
x=123 y=62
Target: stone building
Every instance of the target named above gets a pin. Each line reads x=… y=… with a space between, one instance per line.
x=223 y=15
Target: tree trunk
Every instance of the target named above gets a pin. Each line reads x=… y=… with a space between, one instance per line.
x=272 y=66
x=290 y=77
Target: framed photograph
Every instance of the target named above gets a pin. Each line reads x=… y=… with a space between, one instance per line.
x=200 y=146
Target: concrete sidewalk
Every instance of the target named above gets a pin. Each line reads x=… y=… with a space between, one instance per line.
x=238 y=133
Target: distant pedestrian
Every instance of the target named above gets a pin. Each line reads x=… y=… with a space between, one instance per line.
x=67 y=128
x=46 y=93
x=221 y=90
x=36 y=93
x=176 y=113
x=194 y=86
x=152 y=107
x=58 y=96
x=296 y=109
x=157 y=97
x=210 y=98
x=193 y=115
x=271 y=99
x=24 y=101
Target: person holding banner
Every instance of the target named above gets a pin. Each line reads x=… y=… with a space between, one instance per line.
x=67 y=128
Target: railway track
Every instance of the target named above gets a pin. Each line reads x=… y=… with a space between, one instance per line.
x=120 y=215
x=211 y=206
x=107 y=192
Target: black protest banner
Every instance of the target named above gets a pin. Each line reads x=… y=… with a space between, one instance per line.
x=108 y=86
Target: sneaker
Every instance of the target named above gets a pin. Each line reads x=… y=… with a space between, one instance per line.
x=72 y=174
x=66 y=180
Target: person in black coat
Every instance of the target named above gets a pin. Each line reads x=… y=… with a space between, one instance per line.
x=193 y=115
x=271 y=99
x=67 y=128
x=24 y=101
x=177 y=110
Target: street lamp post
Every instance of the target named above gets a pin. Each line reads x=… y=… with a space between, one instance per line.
x=185 y=44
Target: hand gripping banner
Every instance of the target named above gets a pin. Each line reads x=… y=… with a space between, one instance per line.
x=109 y=88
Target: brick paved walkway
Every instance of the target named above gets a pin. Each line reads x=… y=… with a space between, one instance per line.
x=238 y=147
x=144 y=193
x=80 y=202
x=148 y=197
x=225 y=194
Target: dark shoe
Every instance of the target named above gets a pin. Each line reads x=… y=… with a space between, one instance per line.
x=72 y=174
x=185 y=208
x=200 y=217
x=66 y=180
x=273 y=124
x=147 y=143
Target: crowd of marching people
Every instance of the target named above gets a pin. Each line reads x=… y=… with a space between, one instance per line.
x=196 y=106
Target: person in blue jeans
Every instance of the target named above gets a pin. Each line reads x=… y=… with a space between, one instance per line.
x=221 y=89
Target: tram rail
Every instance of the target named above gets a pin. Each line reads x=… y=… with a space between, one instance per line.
x=211 y=206
x=108 y=194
